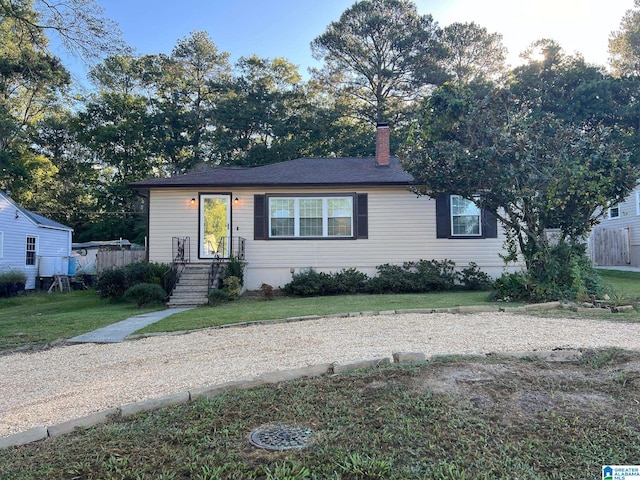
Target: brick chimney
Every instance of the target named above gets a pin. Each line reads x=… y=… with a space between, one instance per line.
x=382 y=145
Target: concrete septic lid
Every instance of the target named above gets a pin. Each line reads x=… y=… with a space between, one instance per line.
x=280 y=437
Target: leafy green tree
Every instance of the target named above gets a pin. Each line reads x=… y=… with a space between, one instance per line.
x=116 y=129
x=565 y=85
x=69 y=196
x=533 y=170
x=472 y=53
x=31 y=80
x=624 y=44
x=186 y=90
x=261 y=115
x=79 y=24
x=383 y=54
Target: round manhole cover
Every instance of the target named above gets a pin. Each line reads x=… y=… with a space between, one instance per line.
x=280 y=437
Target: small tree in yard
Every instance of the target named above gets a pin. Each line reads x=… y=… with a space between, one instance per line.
x=530 y=168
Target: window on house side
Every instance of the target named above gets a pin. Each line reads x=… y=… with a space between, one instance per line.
x=31 y=250
x=638 y=203
x=614 y=212
x=311 y=217
x=465 y=217
x=1 y=244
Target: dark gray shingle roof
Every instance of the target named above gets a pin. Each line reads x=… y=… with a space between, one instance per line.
x=295 y=173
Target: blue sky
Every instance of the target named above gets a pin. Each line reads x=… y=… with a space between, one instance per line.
x=285 y=28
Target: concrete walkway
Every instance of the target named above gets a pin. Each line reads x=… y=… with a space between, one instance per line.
x=117 y=332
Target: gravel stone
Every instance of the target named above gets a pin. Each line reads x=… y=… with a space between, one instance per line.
x=57 y=385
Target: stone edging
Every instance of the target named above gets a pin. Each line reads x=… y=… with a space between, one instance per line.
x=43 y=432
x=454 y=310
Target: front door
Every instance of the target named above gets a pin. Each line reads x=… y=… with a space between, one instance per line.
x=215 y=225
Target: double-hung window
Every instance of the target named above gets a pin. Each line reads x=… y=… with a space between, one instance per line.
x=32 y=247
x=465 y=217
x=311 y=217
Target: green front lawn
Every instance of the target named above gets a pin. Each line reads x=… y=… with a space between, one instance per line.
x=39 y=318
x=36 y=319
x=249 y=309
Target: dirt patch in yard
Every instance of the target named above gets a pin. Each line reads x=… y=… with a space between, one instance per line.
x=520 y=390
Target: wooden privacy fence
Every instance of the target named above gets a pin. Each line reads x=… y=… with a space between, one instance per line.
x=107 y=259
x=609 y=246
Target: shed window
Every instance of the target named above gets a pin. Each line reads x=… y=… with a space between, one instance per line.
x=32 y=245
x=614 y=212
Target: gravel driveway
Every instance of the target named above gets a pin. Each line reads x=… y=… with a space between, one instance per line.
x=63 y=383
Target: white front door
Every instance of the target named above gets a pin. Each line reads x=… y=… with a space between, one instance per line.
x=215 y=226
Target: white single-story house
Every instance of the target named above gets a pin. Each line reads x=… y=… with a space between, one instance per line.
x=30 y=242
x=322 y=213
x=615 y=241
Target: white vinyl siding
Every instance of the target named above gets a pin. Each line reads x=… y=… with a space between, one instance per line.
x=401 y=227
x=50 y=242
x=311 y=217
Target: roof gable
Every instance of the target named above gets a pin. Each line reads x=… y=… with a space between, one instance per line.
x=37 y=220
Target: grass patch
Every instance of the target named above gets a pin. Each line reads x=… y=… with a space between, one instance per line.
x=247 y=309
x=39 y=318
x=464 y=418
x=622 y=283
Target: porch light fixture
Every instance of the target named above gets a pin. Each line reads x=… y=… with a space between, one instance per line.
x=236 y=201
x=193 y=201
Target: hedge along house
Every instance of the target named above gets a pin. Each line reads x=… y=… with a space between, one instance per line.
x=321 y=213
x=28 y=241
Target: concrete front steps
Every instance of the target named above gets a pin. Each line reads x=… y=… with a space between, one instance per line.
x=192 y=287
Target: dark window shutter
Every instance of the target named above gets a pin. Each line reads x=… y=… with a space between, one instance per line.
x=489 y=225
x=260 y=224
x=362 y=215
x=443 y=217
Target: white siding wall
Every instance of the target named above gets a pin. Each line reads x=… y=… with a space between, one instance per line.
x=402 y=227
x=50 y=242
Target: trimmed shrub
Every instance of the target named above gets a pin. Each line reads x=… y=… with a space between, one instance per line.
x=112 y=283
x=145 y=293
x=12 y=282
x=434 y=275
x=391 y=279
x=217 y=297
x=232 y=286
x=414 y=277
x=410 y=277
x=510 y=287
x=348 y=281
x=308 y=284
x=234 y=268
x=473 y=279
